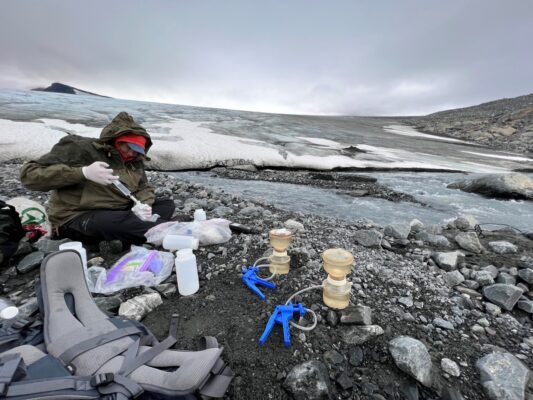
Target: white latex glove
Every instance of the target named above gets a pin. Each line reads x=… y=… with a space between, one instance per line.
x=99 y=172
x=143 y=211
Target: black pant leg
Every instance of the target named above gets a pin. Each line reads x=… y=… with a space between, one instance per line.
x=164 y=207
x=95 y=226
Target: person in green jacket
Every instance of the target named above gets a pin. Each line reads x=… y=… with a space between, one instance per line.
x=84 y=204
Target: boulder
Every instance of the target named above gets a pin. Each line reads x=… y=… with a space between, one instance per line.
x=469 y=241
x=309 y=380
x=505 y=296
x=526 y=275
x=446 y=260
x=465 y=222
x=503 y=376
x=412 y=357
x=503 y=247
x=508 y=186
x=453 y=278
x=368 y=238
x=434 y=240
x=397 y=231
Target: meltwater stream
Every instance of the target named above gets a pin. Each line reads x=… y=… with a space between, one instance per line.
x=430 y=188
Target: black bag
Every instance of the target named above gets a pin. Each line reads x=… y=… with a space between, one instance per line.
x=11 y=231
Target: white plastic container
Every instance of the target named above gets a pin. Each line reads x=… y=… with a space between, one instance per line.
x=7 y=309
x=76 y=246
x=178 y=242
x=199 y=215
x=186 y=272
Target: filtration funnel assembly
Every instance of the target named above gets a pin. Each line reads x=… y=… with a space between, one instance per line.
x=279 y=261
x=338 y=264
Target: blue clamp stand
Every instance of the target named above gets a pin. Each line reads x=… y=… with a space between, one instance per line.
x=282 y=315
x=250 y=279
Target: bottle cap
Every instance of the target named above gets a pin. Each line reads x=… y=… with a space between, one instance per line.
x=9 y=312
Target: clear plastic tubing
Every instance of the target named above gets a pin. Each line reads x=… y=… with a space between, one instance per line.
x=78 y=247
x=186 y=272
x=179 y=242
x=315 y=319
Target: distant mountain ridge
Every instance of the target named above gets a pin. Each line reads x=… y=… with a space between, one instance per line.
x=505 y=124
x=57 y=87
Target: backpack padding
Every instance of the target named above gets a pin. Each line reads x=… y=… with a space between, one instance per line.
x=62 y=273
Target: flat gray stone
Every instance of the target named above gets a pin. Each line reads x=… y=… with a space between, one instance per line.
x=465 y=222
x=359 y=334
x=48 y=246
x=484 y=278
x=412 y=357
x=505 y=296
x=397 y=231
x=434 y=240
x=406 y=301
x=506 y=278
x=453 y=278
x=357 y=315
x=446 y=260
x=503 y=247
x=368 y=238
x=492 y=270
x=525 y=305
x=442 y=323
x=503 y=376
x=137 y=307
x=469 y=241
x=309 y=380
x=30 y=262
x=526 y=275
x=333 y=357
x=450 y=367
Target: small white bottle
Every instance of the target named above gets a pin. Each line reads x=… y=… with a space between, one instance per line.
x=78 y=247
x=178 y=242
x=186 y=272
x=199 y=215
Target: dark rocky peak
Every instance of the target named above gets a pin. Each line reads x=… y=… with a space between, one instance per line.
x=57 y=87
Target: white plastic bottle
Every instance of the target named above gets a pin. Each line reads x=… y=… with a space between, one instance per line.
x=78 y=247
x=199 y=215
x=178 y=242
x=186 y=272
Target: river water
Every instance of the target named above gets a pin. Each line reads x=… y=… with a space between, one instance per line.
x=443 y=204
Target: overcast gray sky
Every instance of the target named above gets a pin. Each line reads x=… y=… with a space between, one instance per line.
x=395 y=57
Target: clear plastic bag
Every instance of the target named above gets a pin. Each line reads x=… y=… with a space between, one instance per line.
x=211 y=231
x=140 y=267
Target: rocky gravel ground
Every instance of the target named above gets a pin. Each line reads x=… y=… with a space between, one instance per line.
x=436 y=312
x=505 y=124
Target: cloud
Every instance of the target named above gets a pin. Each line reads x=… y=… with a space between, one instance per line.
x=310 y=57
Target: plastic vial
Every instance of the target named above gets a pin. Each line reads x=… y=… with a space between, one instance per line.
x=199 y=215
x=178 y=242
x=78 y=247
x=186 y=272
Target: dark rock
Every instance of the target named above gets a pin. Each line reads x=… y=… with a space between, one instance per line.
x=24 y=247
x=309 y=380
x=332 y=317
x=110 y=247
x=345 y=381
x=48 y=246
x=30 y=262
x=108 y=303
x=356 y=356
x=332 y=357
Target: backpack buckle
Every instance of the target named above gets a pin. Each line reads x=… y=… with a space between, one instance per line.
x=102 y=379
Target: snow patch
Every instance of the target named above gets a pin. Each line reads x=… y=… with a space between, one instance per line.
x=409 y=131
x=501 y=157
